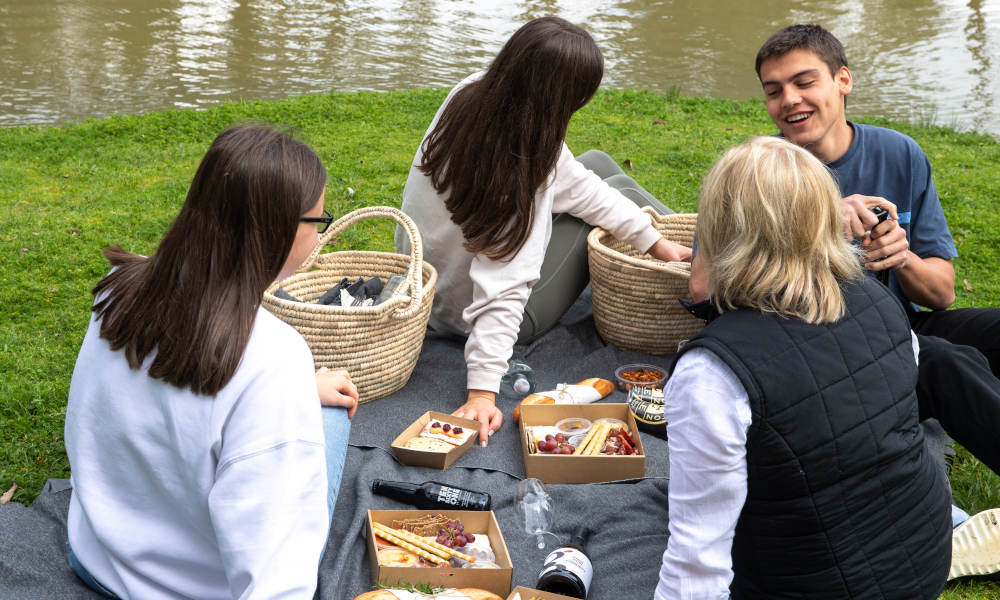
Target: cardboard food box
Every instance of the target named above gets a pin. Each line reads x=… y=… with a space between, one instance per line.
x=477 y=522
x=561 y=468
x=425 y=458
x=523 y=593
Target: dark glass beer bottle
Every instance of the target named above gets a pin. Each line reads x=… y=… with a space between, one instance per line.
x=431 y=494
x=567 y=570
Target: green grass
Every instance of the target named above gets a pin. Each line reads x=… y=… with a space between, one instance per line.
x=67 y=192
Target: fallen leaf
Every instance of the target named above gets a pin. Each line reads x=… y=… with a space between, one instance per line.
x=659 y=122
x=968 y=285
x=8 y=494
x=628 y=163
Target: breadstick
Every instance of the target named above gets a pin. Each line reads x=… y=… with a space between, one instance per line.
x=598 y=444
x=409 y=537
x=598 y=431
x=586 y=440
x=439 y=549
x=412 y=548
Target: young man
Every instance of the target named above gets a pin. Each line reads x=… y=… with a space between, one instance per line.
x=804 y=74
x=806 y=82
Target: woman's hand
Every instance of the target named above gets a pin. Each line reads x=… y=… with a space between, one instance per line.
x=335 y=389
x=480 y=406
x=668 y=251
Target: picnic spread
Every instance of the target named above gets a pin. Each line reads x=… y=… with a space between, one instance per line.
x=627 y=519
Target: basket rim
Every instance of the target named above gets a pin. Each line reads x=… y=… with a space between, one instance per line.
x=595 y=243
x=397 y=303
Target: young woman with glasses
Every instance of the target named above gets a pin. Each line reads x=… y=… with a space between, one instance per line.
x=503 y=207
x=203 y=465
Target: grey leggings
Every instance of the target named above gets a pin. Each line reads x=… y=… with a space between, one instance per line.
x=564 y=271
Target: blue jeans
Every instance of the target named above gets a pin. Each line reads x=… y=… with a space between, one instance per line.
x=84 y=575
x=336 y=429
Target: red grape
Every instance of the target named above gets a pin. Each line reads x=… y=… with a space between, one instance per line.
x=549 y=437
x=469 y=538
x=560 y=437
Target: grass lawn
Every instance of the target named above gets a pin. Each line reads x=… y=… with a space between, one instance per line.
x=67 y=192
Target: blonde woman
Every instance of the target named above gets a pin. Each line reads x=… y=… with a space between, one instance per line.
x=797 y=463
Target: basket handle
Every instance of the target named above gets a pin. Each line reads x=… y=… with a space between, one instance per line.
x=414 y=273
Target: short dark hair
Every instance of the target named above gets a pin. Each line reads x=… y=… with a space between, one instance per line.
x=193 y=303
x=500 y=136
x=804 y=37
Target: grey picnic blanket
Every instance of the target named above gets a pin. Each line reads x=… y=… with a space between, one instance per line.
x=628 y=519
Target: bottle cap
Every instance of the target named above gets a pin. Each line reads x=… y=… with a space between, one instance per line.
x=521 y=385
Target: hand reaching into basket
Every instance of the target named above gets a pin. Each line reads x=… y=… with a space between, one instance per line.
x=480 y=406
x=668 y=251
x=336 y=389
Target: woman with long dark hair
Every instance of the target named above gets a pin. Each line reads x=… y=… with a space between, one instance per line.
x=501 y=202
x=202 y=463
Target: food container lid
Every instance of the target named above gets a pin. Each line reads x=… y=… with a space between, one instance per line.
x=574 y=425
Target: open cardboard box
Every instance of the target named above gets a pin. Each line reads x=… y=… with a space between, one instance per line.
x=523 y=593
x=475 y=521
x=425 y=458
x=560 y=468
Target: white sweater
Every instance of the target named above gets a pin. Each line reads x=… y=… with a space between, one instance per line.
x=177 y=495
x=484 y=299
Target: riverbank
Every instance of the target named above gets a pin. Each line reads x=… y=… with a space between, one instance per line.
x=67 y=192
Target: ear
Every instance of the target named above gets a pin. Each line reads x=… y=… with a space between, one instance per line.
x=845 y=81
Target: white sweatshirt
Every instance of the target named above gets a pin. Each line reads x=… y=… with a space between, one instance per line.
x=484 y=299
x=177 y=495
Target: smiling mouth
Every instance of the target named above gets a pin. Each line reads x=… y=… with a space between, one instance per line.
x=798 y=118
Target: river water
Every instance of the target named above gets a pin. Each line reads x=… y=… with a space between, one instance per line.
x=926 y=61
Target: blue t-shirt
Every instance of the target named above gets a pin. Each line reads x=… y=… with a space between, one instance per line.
x=886 y=163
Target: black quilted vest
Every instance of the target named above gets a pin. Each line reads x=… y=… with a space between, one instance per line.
x=843 y=500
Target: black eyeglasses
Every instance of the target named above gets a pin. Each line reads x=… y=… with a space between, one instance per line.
x=321 y=222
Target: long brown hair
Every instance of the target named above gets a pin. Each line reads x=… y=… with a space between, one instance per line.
x=500 y=136
x=194 y=301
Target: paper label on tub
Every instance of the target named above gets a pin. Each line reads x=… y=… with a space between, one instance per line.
x=566 y=393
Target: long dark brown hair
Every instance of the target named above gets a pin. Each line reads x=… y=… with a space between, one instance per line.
x=500 y=136
x=194 y=301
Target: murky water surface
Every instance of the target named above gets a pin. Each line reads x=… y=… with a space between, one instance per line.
x=919 y=60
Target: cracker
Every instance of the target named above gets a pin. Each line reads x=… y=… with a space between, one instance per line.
x=428 y=444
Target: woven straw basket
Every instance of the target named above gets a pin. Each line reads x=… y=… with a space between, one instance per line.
x=635 y=296
x=378 y=345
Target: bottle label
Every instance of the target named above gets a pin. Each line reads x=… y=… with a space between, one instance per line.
x=455 y=496
x=572 y=560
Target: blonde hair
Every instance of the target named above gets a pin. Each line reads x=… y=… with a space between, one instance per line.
x=770 y=233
